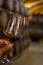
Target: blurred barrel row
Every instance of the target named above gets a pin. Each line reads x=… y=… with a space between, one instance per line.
x=14 y=24
x=36 y=27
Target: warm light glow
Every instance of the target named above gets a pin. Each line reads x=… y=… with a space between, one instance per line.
x=29 y=5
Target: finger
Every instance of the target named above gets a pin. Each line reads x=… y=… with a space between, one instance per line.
x=1 y=43
x=5 y=49
x=9 y=55
x=4 y=42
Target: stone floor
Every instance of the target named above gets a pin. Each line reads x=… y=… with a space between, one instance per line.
x=31 y=56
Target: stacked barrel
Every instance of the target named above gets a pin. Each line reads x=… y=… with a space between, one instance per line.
x=36 y=27
x=14 y=24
